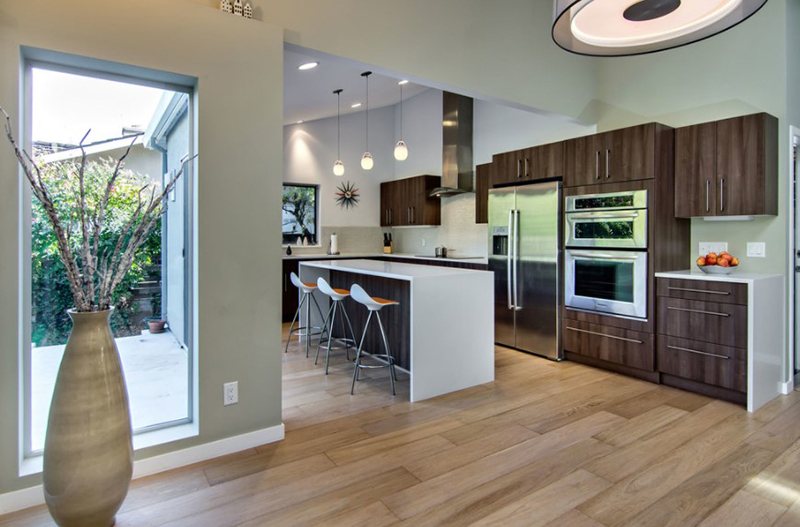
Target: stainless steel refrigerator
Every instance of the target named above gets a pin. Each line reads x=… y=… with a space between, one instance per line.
x=525 y=251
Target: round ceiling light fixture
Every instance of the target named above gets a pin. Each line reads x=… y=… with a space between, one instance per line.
x=613 y=28
x=308 y=66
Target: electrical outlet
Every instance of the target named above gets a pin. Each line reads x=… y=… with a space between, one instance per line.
x=230 y=393
x=712 y=247
x=423 y=242
x=756 y=250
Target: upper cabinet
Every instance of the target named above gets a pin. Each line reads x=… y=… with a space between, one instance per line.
x=483 y=180
x=406 y=202
x=727 y=168
x=621 y=155
x=520 y=166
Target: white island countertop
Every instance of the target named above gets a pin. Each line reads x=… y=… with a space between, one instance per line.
x=480 y=260
x=394 y=270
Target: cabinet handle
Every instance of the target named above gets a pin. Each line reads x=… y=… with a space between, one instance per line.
x=699 y=311
x=708 y=195
x=608 y=163
x=414 y=211
x=604 y=335
x=690 y=290
x=699 y=352
x=519 y=168
x=527 y=167
x=597 y=166
x=722 y=194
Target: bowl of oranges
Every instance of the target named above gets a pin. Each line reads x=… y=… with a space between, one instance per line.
x=722 y=263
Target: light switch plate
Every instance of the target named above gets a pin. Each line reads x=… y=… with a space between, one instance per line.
x=712 y=247
x=756 y=250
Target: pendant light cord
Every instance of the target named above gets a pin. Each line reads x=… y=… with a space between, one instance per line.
x=339 y=125
x=367 y=113
x=401 y=112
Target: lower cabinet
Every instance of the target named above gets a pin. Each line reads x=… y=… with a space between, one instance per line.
x=702 y=337
x=623 y=347
x=290 y=294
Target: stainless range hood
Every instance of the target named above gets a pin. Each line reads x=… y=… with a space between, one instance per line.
x=457 y=172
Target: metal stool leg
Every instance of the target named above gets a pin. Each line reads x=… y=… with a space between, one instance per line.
x=291 y=327
x=330 y=334
x=358 y=354
x=324 y=330
x=308 y=322
x=388 y=353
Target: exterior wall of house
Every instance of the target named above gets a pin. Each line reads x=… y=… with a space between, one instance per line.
x=175 y=221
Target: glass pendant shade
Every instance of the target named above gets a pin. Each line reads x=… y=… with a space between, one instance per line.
x=338 y=168
x=367 y=162
x=622 y=27
x=401 y=151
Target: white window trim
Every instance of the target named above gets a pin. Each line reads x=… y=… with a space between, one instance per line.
x=31 y=462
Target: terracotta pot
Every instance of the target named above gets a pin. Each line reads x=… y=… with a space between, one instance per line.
x=88 y=452
x=156 y=325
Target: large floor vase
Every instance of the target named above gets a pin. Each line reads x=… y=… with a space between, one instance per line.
x=88 y=453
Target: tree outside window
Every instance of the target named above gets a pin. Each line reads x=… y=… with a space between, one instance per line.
x=299 y=206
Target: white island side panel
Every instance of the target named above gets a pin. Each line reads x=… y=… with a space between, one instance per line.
x=452 y=333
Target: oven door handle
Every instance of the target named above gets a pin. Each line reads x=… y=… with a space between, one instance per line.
x=592 y=256
x=602 y=215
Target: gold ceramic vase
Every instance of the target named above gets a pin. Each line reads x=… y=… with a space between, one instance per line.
x=88 y=453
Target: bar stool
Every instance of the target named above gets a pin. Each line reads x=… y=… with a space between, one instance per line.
x=374 y=305
x=336 y=296
x=308 y=296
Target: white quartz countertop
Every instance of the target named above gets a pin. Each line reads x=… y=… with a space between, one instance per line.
x=395 y=270
x=734 y=277
x=463 y=259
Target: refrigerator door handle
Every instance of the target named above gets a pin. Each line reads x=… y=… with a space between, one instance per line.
x=509 y=255
x=516 y=260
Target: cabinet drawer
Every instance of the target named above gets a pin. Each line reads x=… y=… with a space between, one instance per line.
x=703 y=362
x=723 y=324
x=707 y=291
x=620 y=346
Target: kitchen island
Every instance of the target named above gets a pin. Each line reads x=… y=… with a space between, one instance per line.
x=442 y=333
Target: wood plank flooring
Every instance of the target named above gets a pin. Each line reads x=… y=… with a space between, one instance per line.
x=548 y=444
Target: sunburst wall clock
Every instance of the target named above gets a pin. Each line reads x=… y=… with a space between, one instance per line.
x=347 y=195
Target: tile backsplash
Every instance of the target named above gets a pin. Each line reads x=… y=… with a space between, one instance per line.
x=351 y=240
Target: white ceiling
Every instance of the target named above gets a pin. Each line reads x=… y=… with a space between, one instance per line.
x=308 y=95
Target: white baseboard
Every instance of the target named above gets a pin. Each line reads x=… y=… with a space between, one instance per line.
x=33 y=496
x=787 y=387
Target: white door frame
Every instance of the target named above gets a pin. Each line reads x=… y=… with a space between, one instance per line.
x=794 y=141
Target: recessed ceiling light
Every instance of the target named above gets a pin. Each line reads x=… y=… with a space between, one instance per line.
x=402 y=82
x=308 y=66
x=356 y=105
x=300 y=121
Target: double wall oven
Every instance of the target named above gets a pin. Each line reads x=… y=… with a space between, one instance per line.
x=605 y=261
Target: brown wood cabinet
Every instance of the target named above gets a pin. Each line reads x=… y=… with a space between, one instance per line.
x=406 y=202
x=483 y=180
x=727 y=168
x=528 y=164
x=290 y=295
x=702 y=336
x=628 y=154
x=612 y=345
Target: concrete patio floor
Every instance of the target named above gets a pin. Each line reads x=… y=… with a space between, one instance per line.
x=156 y=370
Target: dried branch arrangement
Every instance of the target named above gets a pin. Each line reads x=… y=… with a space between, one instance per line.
x=94 y=273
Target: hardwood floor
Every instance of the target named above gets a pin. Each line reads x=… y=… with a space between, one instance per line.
x=550 y=444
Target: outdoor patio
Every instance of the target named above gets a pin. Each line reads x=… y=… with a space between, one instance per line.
x=156 y=370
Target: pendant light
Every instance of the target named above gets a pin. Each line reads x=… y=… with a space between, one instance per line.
x=400 y=149
x=338 y=166
x=619 y=28
x=366 y=160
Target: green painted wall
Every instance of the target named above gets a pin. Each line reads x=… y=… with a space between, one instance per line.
x=238 y=140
